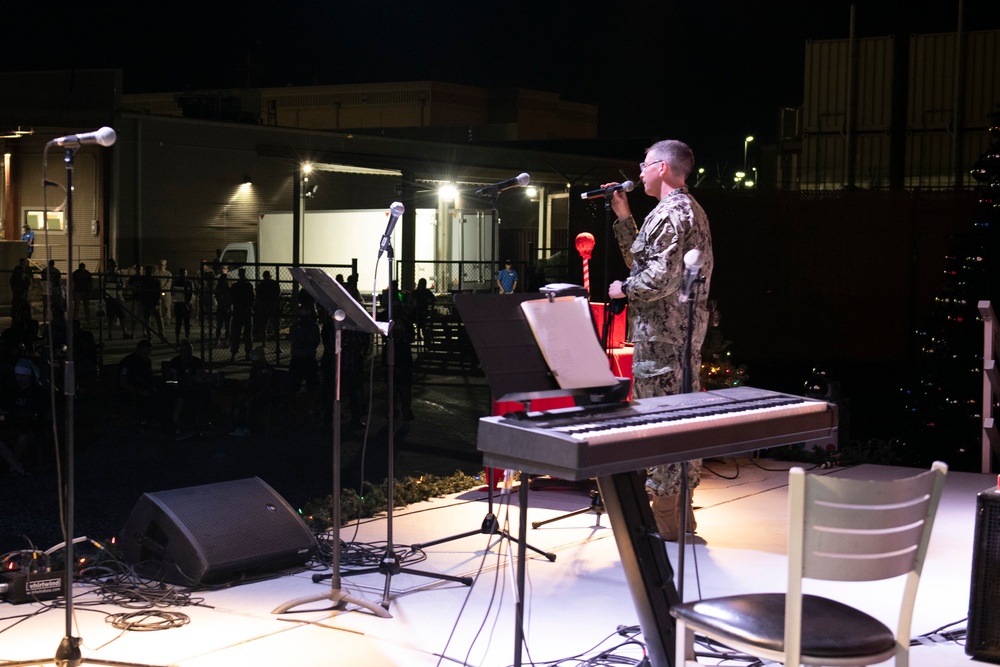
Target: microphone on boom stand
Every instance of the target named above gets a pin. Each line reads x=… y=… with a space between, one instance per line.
x=693 y=261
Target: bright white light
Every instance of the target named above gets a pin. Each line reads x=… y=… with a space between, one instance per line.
x=748 y=184
x=741 y=174
x=447 y=192
x=307 y=168
x=531 y=192
x=748 y=139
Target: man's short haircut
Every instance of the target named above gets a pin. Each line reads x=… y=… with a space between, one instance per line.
x=676 y=153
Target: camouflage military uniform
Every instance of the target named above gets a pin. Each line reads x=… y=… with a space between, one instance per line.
x=655 y=255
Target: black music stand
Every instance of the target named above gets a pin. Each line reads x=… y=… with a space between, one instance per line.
x=514 y=368
x=516 y=371
x=347 y=314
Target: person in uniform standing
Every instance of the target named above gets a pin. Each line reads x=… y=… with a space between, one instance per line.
x=654 y=253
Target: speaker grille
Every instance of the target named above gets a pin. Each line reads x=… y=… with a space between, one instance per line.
x=983 y=641
x=215 y=533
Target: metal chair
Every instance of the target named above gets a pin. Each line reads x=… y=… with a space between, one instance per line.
x=839 y=530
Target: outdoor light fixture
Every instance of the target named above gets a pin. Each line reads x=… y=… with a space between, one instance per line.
x=746 y=144
x=247 y=180
x=18 y=133
x=447 y=192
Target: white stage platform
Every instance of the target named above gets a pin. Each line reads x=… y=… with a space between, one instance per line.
x=573 y=604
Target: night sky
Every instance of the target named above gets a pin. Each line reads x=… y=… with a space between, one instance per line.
x=706 y=71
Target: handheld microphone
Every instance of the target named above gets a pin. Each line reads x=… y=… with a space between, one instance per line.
x=693 y=261
x=395 y=211
x=519 y=180
x=627 y=186
x=102 y=137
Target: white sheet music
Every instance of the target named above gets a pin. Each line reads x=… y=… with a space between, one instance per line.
x=564 y=330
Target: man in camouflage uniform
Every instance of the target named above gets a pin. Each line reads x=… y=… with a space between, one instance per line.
x=654 y=253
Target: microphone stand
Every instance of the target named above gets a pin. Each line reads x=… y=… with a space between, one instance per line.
x=68 y=653
x=687 y=386
x=389 y=565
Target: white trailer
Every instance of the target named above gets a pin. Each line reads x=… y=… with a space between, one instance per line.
x=333 y=237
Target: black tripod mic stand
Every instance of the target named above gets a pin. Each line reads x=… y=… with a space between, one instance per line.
x=390 y=565
x=68 y=653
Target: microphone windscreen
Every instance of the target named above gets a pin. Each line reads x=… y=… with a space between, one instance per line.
x=693 y=259
x=105 y=136
x=523 y=179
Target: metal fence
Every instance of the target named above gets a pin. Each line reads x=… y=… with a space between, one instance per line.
x=116 y=307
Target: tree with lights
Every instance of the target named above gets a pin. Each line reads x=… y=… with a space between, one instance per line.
x=718 y=369
x=943 y=403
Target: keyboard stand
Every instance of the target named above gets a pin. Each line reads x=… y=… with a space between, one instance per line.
x=648 y=572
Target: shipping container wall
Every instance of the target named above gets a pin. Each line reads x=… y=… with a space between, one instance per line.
x=937 y=148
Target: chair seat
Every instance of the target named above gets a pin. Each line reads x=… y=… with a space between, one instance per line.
x=829 y=629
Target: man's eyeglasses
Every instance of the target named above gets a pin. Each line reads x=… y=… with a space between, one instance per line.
x=643 y=165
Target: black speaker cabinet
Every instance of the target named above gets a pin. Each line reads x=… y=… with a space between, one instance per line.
x=983 y=640
x=215 y=534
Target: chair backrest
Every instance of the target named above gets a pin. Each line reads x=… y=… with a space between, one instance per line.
x=862 y=530
x=859 y=530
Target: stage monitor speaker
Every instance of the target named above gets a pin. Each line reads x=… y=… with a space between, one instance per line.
x=215 y=534
x=983 y=639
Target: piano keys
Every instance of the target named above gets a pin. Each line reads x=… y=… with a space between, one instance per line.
x=582 y=442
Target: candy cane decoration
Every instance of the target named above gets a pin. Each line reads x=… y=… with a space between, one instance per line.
x=585 y=246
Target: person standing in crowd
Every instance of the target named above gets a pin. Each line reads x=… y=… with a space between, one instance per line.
x=26 y=417
x=83 y=283
x=29 y=238
x=223 y=308
x=654 y=252
x=422 y=300
x=268 y=308
x=261 y=389
x=507 y=279
x=135 y=375
x=20 y=287
x=166 y=284
x=133 y=292
x=217 y=265
x=205 y=290
x=242 y=295
x=149 y=300
x=186 y=382
x=181 y=293
x=304 y=337
x=52 y=286
x=113 y=295
x=352 y=287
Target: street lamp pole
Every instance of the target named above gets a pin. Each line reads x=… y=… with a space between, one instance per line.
x=746 y=144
